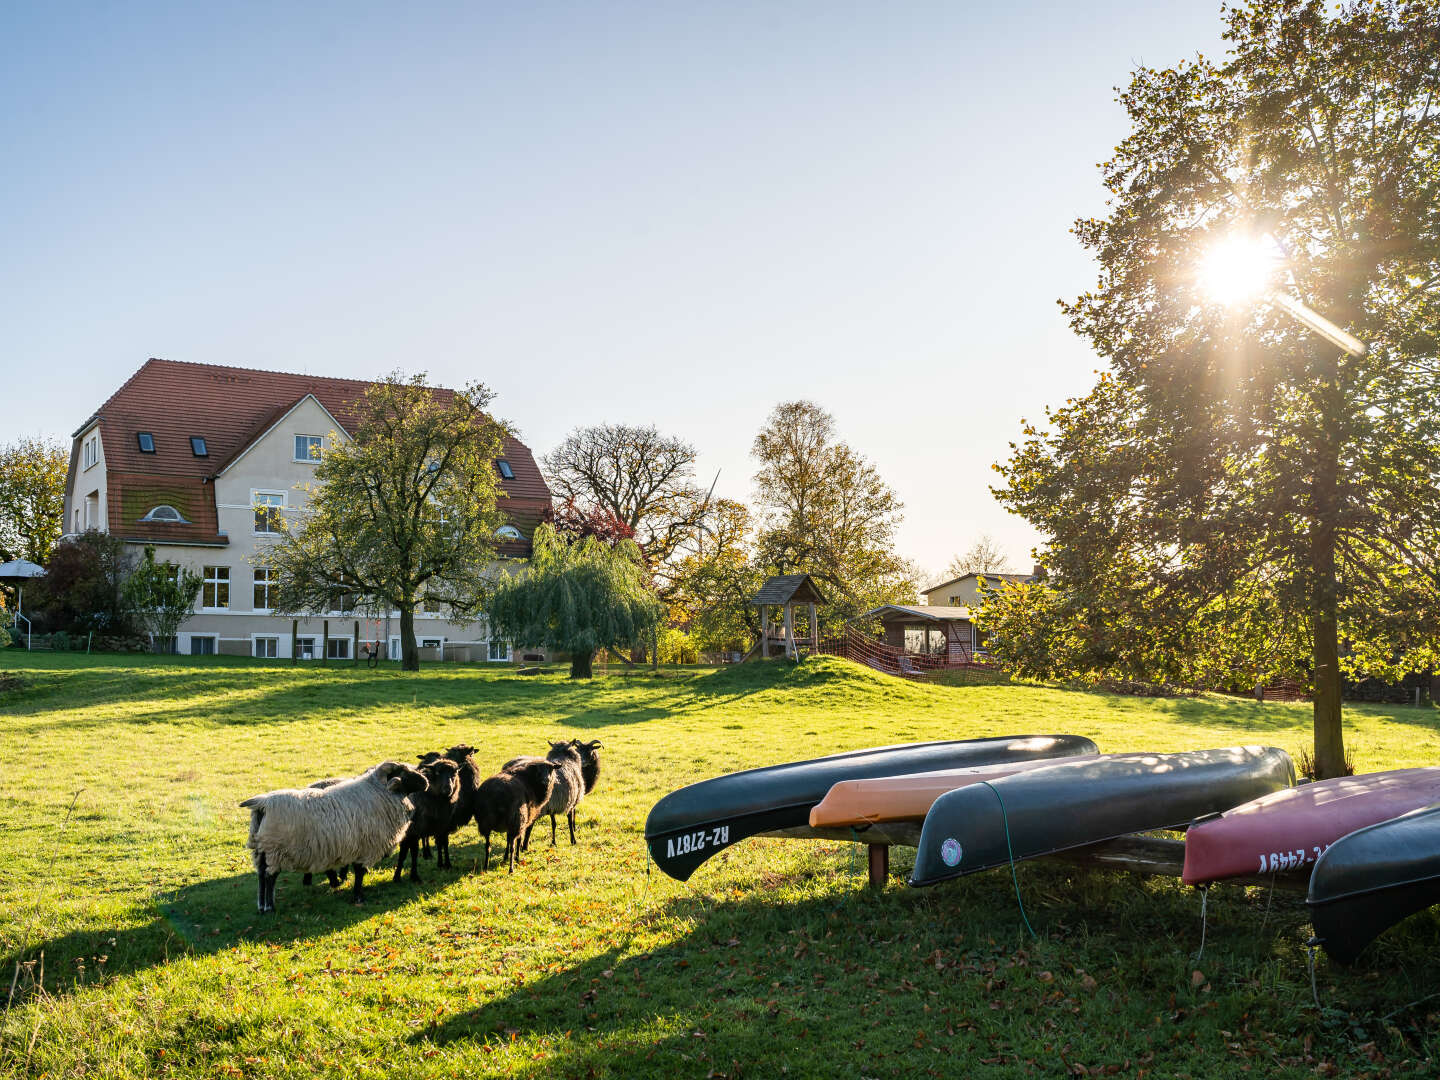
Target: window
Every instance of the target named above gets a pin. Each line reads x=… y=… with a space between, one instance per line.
x=164 y=512
x=91 y=450
x=146 y=441
x=267 y=511
x=215 y=592
x=197 y=446
x=432 y=643
x=305 y=648
x=499 y=650
x=202 y=646
x=307 y=447
x=505 y=470
x=957 y=601
x=264 y=582
x=267 y=648
x=508 y=532
x=338 y=648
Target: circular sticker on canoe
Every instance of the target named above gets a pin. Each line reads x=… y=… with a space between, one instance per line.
x=950 y=852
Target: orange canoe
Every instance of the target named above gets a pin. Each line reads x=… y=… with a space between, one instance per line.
x=908 y=797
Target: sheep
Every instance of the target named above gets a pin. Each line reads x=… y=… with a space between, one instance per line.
x=589 y=761
x=511 y=800
x=569 y=787
x=433 y=811
x=461 y=811
x=337 y=876
x=355 y=822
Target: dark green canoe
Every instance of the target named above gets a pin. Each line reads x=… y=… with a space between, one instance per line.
x=691 y=824
x=1073 y=805
x=1370 y=879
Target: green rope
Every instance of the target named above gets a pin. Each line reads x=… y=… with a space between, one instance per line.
x=1010 y=850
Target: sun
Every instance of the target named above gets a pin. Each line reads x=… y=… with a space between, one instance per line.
x=1238 y=268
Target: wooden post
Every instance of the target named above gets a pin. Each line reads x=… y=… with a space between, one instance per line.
x=790 y=649
x=764 y=631
x=814 y=632
x=879 y=864
x=355 y=646
x=294 y=640
x=325 y=648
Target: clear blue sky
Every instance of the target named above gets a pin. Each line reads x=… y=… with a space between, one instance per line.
x=676 y=213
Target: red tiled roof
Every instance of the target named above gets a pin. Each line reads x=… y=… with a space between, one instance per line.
x=229 y=407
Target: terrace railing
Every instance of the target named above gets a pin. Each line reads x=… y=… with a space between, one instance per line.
x=943 y=667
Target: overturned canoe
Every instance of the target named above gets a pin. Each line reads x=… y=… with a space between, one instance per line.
x=691 y=824
x=1045 y=811
x=1289 y=830
x=1368 y=881
x=884 y=799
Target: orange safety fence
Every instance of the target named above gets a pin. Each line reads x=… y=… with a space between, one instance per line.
x=944 y=667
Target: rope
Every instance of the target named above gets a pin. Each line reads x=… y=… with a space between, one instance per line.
x=1270 y=900
x=1010 y=850
x=1204 y=902
x=1310 y=948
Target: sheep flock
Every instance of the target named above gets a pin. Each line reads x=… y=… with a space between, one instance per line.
x=343 y=825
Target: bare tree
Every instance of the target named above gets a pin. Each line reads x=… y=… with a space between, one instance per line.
x=985 y=556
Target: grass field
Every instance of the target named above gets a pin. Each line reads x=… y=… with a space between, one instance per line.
x=773 y=960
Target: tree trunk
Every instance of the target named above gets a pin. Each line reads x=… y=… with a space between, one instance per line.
x=580 y=663
x=409 y=651
x=1329 y=738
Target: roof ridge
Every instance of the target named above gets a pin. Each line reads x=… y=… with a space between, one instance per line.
x=263 y=371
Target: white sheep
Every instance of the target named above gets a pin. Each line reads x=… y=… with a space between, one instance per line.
x=354 y=823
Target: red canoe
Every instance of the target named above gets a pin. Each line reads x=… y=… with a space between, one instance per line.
x=1288 y=830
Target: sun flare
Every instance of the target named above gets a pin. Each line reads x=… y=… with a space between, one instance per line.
x=1239 y=268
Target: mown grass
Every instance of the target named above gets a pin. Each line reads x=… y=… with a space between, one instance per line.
x=773 y=960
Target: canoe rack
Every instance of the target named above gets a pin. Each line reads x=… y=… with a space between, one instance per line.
x=1139 y=853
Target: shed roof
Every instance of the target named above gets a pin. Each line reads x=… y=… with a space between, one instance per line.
x=932 y=612
x=788 y=589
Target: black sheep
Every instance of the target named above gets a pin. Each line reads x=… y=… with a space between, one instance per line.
x=433 y=810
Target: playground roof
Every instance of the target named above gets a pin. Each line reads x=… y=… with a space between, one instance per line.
x=788 y=589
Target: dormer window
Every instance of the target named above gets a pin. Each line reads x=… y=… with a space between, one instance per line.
x=505 y=470
x=508 y=532
x=197 y=446
x=146 y=441
x=165 y=513
x=307 y=447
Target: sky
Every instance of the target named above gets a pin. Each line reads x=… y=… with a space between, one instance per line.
x=674 y=213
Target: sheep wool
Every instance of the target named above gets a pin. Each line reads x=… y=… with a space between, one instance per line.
x=359 y=820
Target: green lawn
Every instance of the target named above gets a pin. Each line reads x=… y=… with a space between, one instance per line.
x=773 y=960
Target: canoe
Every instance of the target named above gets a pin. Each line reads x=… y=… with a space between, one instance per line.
x=885 y=799
x=1289 y=830
x=1045 y=811
x=691 y=824
x=1368 y=881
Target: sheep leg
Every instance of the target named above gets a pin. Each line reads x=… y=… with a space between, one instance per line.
x=512 y=850
x=525 y=839
x=260 y=876
x=400 y=862
x=570 y=817
x=425 y=847
x=359 y=880
x=552 y=830
x=487 y=851
x=442 y=850
x=270 y=891
x=414 y=863
x=307 y=879
x=336 y=879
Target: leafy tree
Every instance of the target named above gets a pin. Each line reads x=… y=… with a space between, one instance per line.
x=712 y=583
x=32 y=498
x=404 y=512
x=826 y=512
x=985 y=556
x=1229 y=455
x=83 y=589
x=162 y=596
x=575 y=522
x=578 y=598
x=635 y=475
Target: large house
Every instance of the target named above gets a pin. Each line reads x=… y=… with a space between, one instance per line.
x=965 y=590
x=201 y=462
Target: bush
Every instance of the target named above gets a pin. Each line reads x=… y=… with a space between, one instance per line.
x=4 y=637
x=60 y=641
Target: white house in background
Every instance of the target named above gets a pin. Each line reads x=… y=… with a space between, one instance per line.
x=965 y=591
x=201 y=462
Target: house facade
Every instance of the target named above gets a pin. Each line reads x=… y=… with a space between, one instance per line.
x=202 y=462
x=966 y=590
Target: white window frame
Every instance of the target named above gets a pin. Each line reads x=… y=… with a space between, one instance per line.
x=206 y=581
x=268 y=584
x=90 y=451
x=509 y=532
x=310 y=643
x=490 y=652
x=307 y=459
x=255 y=504
x=349 y=648
x=255 y=640
x=425 y=643
x=214 y=644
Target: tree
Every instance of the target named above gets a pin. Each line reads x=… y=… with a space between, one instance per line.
x=83 y=589
x=162 y=596
x=826 y=512
x=985 y=556
x=32 y=498
x=634 y=474
x=712 y=583
x=1229 y=454
x=403 y=512
x=576 y=597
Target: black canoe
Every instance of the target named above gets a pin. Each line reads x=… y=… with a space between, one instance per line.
x=1086 y=802
x=1370 y=879
x=691 y=824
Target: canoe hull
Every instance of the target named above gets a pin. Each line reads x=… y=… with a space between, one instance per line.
x=691 y=824
x=1289 y=830
x=1069 y=806
x=888 y=799
x=1368 y=881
